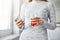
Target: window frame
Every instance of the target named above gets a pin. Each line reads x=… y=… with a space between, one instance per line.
x=6 y=32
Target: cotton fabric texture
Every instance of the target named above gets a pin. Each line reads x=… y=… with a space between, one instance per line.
x=44 y=10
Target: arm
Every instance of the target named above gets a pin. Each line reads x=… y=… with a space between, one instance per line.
x=52 y=18
x=22 y=15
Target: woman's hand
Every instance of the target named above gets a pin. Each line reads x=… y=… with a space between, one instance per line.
x=19 y=22
x=36 y=21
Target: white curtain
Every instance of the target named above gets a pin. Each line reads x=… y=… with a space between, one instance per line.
x=5 y=13
x=16 y=12
x=5 y=17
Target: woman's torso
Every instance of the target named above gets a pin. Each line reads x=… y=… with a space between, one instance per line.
x=38 y=32
x=36 y=9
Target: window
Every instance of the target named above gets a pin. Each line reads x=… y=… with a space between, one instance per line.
x=5 y=17
x=57 y=7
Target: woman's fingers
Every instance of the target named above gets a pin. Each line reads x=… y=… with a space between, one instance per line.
x=40 y=22
x=36 y=21
x=19 y=22
x=16 y=19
